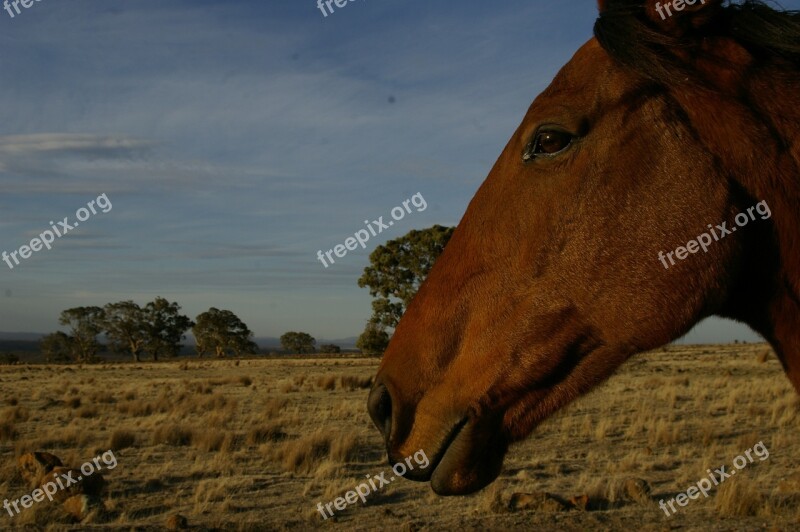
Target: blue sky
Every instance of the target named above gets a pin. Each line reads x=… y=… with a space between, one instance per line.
x=234 y=139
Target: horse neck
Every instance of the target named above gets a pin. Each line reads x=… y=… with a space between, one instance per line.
x=765 y=160
x=751 y=126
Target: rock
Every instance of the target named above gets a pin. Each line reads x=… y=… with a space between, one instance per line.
x=80 y=506
x=581 y=502
x=91 y=485
x=34 y=466
x=176 y=522
x=636 y=489
x=539 y=501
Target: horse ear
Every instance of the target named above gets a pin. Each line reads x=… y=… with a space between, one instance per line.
x=601 y=5
x=677 y=17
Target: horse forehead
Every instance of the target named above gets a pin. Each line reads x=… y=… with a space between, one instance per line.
x=589 y=61
x=588 y=72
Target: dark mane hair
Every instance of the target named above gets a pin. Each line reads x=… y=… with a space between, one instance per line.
x=624 y=31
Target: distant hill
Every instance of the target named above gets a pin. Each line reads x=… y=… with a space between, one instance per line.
x=21 y=336
x=21 y=346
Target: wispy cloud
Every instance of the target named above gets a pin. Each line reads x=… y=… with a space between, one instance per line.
x=105 y=146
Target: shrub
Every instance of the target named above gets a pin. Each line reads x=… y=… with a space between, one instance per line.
x=330 y=349
x=9 y=358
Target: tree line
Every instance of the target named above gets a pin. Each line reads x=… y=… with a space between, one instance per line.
x=156 y=330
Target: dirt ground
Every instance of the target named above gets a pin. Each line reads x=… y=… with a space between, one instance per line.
x=257 y=444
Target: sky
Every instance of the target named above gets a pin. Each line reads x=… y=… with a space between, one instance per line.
x=234 y=139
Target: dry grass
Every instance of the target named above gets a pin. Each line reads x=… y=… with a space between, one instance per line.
x=354 y=382
x=8 y=431
x=15 y=414
x=173 y=434
x=258 y=445
x=88 y=411
x=264 y=434
x=738 y=497
x=327 y=382
x=122 y=439
x=306 y=453
x=209 y=440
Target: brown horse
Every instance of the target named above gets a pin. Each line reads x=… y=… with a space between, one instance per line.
x=656 y=130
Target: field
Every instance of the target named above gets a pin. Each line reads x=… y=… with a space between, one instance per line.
x=256 y=444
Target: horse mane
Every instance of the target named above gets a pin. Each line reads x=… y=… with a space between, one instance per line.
x=631 y=38
x=771 y=37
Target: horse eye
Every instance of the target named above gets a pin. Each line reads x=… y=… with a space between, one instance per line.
x=548 y=142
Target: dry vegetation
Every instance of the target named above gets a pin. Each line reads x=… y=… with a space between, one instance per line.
x=255 y=444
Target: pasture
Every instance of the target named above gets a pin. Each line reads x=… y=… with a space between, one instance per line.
x=256 y=444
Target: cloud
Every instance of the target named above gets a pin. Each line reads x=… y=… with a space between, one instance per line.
x=105 y=146
x=47 y=163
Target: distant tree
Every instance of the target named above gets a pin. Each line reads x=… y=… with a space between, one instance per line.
x=223 y=332
x=86 y=323
x=165 y=327
x=57 y=347
x=330 y=349
x=398 y=268
x=126 y=327
x=374 y=340
x=298 y=342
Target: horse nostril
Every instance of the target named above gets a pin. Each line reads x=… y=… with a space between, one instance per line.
x=379 y=405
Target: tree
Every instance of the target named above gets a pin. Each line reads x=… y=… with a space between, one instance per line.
x=298 y=342
x=86 y=323
x=165 y=328
x=330 y=349
x=374 y=340
x=397 y=269
x=223 y=332
x=57 y=347
x=126 y=327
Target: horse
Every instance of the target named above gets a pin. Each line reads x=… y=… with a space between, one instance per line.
x=656 y=130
